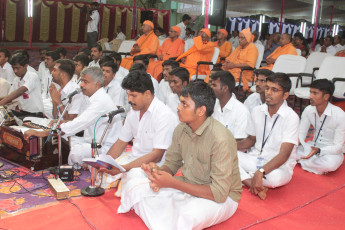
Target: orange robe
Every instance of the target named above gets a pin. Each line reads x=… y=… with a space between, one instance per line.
x=281 y=50
x=148 y=45
x=200 y=51
x=224 y=50
x=168 y=49
x=240 y=56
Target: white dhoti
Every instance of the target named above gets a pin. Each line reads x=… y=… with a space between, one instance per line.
x=80 y=149
x=170 y=208
x=319 y=164
x=48 y=108
x=278 y=177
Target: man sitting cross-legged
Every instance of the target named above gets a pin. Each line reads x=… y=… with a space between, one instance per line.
x=149 y=124
x=273 y=134
x=325 y=152
x=209 y=189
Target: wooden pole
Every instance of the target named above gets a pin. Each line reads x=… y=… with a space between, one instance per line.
x=206 y=13
x=281 y=16
x=315 y=24
x=330 y=24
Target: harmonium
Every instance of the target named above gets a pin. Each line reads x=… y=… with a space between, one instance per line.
x=36 y=153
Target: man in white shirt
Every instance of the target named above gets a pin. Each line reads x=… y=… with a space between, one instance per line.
x=258 y=97
x=178 y=79
x=120 y=35
x=7 y=72
x=325 y=152
x=46 y=77
x=81 y=61
x=5 y=86
x=150 y=124
x=164 y=87
x=143 y=59
x=26 y=53
x=99 y=103
x=111 y=85
x=234 y=39
x=96 y=55
x=26 y=88
x=62 y=52
x=62 y=75
x=327 y=47
x=92 y=18
x=272 y=137
x=121 y=72
x=228 y=110
x=185 y=22
x=42 y=67
x=337 y=45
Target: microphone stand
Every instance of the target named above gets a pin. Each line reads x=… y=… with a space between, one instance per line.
x=93 y=190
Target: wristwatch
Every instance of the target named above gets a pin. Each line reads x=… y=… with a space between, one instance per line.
x=262 y=170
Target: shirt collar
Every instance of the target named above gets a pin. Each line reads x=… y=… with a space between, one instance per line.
x=201 y=129
x=281 y=111
x=110 y=83
x=97 y=94
x=66 y=88
x=328 y=110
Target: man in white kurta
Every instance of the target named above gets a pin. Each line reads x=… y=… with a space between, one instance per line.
x=149 y=124
x=96 y=55
x=325 y=152
x=26 y=87
x=228 y=110
x=164 y=88
x=272 y=137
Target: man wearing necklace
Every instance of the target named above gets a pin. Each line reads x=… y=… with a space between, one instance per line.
x=272 y=136
x=325 y=152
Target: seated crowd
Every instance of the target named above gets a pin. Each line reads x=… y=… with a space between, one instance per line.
x=194 y=143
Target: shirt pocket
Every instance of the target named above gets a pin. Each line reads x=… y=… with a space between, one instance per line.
x=201 y=167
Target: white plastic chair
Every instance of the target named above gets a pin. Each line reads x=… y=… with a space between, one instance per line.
x=313 y=63
x=188 y=43
x=261 y=50
x=213 y=60
x=339 y=83
x=291 y=65
x=126 y=47
x=331 y=67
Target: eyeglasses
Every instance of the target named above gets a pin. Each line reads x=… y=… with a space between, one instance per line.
x=171 y=31
x=274 y=90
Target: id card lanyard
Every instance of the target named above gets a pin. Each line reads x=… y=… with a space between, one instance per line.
x=317 y=137
x=264 y=141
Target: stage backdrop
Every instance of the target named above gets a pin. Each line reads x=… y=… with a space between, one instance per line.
x=64 y=21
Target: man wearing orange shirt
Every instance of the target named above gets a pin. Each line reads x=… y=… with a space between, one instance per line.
x=147 y=44
x=244 y=55
x=224 y=46
x=202 y=50
x=286 y=47
x=171 y=47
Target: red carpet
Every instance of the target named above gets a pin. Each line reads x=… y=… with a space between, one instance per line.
x=325 y=213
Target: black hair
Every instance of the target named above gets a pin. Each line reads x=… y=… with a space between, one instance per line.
x=142 y=57
x=265 y=72
x=19 y=58
x=105 y=59
x=6 y=52
x=98 y=46
x=282 y=79
x=138 y=81
x=85 y=51
x=53 y=54
x=186 y=17
x=137 y=66
x=330 y=37
x=67 y=66
x=181 y=73
x=62 y=50
x=82 y=58
x=202 y=95
x=22 y=51
x=225 y=78
x=324 y=85
x=116 y=56
x=44 y=48
x=94 y=4
x=111 y=64
x=172 y=63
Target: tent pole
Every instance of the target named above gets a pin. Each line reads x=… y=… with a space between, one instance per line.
x=330 y=24
x=206 y=13
x=315 y=24
x=281 y=16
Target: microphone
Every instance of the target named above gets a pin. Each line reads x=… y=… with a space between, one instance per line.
x=69 y=96
x=113 y=113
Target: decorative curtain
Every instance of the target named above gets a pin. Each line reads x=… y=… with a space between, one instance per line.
x=65 y=21
x=241 y=23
